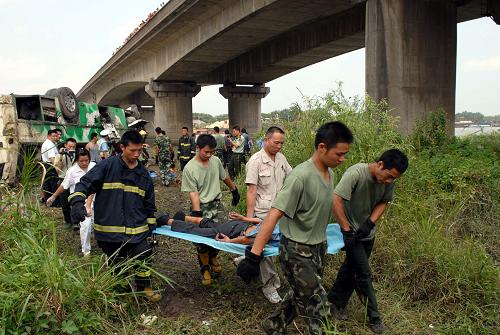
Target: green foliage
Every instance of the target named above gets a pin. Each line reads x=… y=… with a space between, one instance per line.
x=45 y=292
x=430 y=133
x=438 y=243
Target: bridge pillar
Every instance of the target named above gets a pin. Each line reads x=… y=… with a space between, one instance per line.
x=411 y=49
x=244 y=105
x=173 y=105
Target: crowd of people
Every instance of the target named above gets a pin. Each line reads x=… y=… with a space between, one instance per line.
x=113 y=192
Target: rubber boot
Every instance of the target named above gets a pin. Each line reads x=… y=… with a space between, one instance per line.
x=206 y=278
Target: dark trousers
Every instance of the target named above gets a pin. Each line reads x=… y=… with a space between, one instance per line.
x=234 y=168
x=355 y=275
x=66 y=208
x=183 y=163
x=119 y=252
x=210 y=228
x=50 y=183
x=226 y=158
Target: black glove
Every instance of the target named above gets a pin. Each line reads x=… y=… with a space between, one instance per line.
x=162 y=220
x=198 y=214
x=78 y=212
x=249 y=268
x=349 y=238
x=236 y=197
x=365 y=229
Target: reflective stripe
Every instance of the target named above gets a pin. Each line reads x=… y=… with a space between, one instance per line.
x=184 y=157
x=76 y=194
x=144 y=274
x=121 y=229
x=126 y=188
x=151 y=221
x=186 y=144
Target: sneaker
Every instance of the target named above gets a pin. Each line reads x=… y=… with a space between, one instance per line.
x=237 y=260
x=271 y=294
x=377 y=326
x=76 y=226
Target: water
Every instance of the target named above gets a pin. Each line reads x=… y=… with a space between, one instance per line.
x=459 y=132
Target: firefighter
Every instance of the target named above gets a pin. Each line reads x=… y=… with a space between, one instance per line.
x=186 y=148
x=124 y=208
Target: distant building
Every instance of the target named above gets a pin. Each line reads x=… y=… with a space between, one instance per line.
x=198 y=124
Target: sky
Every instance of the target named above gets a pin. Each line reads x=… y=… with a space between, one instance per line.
x=47 y=44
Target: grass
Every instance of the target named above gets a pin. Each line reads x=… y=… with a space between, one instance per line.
x=435 y=261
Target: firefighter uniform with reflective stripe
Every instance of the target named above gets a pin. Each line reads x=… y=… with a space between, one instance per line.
x=186 y=150
x=124 y=208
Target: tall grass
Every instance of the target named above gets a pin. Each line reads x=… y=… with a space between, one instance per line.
x=43 y=291
x=437 y=245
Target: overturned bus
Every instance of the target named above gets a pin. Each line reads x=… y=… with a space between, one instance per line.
x=26 y=119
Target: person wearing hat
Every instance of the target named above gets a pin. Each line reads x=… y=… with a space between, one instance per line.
x=103 y=144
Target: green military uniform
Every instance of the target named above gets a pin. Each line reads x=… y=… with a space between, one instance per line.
x=163 y=143
x=205 y=180
x=361 y=194
x=219 y=149
x=306 y=199
x=237 y=158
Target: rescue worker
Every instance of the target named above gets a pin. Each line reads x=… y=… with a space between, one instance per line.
x=303 y=207
x=144 y=157
x=124 y=208
x=103 y=144
x=93 y=148
x=62 y=163
x=186 y=149
x=219 y=138
x=360 y=199
x=265 y=173
x=200 y=179
x=238 y=156
x=163 y=148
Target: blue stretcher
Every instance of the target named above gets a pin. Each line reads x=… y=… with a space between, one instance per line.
x=334 y=238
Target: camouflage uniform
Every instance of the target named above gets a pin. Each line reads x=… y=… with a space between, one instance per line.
x=164 y=158
x=302 y=266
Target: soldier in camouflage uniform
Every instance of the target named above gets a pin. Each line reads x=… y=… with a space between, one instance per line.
x=303 y=208
x=163 y=149
x=200 y=179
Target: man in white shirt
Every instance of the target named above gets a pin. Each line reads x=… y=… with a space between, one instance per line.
x=49 y=153
x=266 y=171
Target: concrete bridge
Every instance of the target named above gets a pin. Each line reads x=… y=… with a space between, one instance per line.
x=242 y=44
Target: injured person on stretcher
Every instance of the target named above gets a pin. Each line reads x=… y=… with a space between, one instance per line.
x=240 y=229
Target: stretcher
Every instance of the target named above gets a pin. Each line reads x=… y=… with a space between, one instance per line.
x=334 y=238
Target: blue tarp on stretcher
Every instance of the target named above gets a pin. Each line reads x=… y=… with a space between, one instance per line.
x=334 y=238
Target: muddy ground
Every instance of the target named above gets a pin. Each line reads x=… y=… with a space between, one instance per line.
x=228 y=306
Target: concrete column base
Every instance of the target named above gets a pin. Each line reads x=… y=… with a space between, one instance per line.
x=173 y=105
x=411 y=49
x=244 y=105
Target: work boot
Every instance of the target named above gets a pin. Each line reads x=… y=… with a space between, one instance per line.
x=377 y=326
x=215 y=265
x=151 y=295
x=206 y=278
x=338 y=313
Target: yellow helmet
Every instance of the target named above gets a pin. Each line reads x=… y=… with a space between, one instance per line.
x=143 y=132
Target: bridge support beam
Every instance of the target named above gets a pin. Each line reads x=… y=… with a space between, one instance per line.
x=244 y=105
x=173 y=105
x=411 y=57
